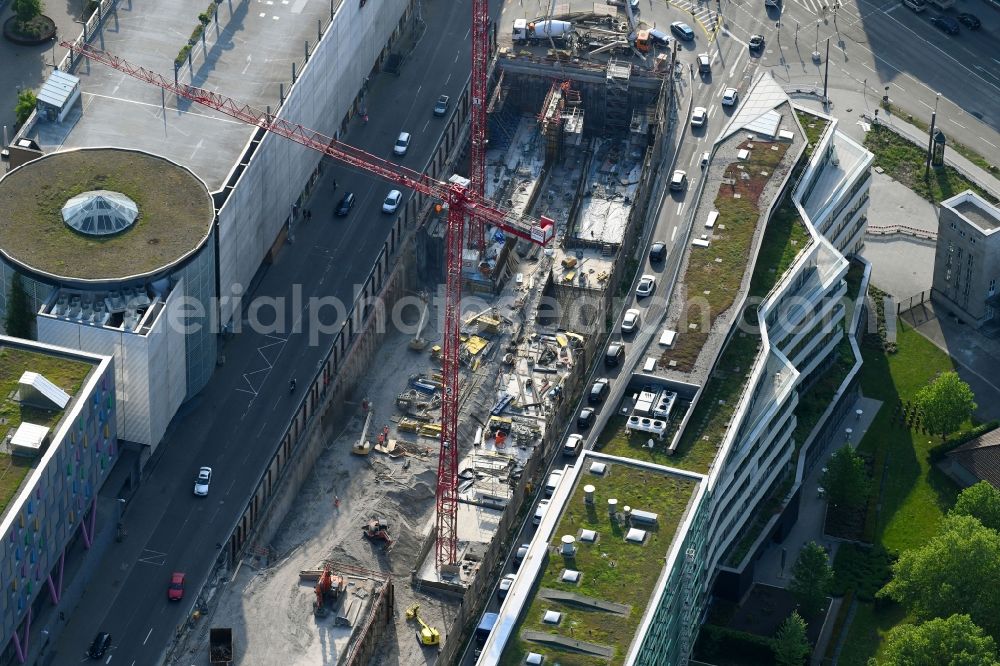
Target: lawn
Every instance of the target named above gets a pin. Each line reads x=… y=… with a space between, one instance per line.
x=959 y=148
x=612 y=569
x=66 y=374
x=713 y=274
x=914 y=494
x=906 y=162
x=614 y=441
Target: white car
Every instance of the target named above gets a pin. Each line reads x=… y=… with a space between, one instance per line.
x=706 y=157
x=506 y=583
x=522 y=552
x=730 y=96
x=391 y=202
x=540 y=511
x=402 y=143
x=631 y=320
x=201 y=483
x=678 y=180
x=647 y=283
x=699 y=116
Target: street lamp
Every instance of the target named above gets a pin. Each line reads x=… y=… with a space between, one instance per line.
x=816 y=48
x=930 y=138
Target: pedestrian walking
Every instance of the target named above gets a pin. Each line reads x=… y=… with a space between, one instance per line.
x=336 y=502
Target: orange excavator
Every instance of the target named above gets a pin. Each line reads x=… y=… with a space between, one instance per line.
x=328 y=589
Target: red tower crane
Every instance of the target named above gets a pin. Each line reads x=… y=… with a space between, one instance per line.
x=479 y=89
x=461 y=202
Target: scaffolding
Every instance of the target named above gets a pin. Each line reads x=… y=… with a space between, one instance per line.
x=616 y=118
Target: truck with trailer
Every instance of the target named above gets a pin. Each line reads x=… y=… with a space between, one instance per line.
x=220 y=645
x=534 y=32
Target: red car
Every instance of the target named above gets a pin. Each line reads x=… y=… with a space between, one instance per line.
x=176 y=589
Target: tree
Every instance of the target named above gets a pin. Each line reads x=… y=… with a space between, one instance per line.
x=981 y=501
x=791 y=647
x=26 y=10
x=19 y=318
x=846 y=479
x=945 y=403
x=955 y=641
x=954 y=572
x=26 y=101
x=811 y=578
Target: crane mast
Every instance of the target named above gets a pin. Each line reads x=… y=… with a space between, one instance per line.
x=479 y=89
x=465 y=205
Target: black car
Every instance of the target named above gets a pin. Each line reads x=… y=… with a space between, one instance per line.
x=598 y=391
x=971 y=21
x=658 y=251
x=613 y=357
x=345 y=205
x=756 y=42
x=682 y=30
x=101 y=644
x=585 y=419
x=946 y=23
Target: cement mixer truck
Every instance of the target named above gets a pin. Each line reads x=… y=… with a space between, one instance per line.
x=535 y=31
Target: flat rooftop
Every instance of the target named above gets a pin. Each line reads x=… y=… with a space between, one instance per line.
x=979 y=212
x=68 y=374
x=600 y=613
x=250 y=52
x=845 y=158
x=175 y=214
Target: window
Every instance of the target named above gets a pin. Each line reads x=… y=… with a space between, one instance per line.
x=993 y=287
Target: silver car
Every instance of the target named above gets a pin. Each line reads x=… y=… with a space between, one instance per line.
x=202 y=482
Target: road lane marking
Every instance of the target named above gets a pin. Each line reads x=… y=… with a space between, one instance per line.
x=672 y=234
x=679 y=207
x=989 y=142
x=925 y=104
x=148 y=634
x=959 y=124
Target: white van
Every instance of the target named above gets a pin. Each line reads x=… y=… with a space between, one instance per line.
x=553 y=482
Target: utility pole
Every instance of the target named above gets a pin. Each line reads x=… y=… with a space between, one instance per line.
x=815 y=54
x=826 y=73
x=930 y=140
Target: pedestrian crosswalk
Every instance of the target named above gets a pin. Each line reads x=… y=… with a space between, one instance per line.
x=818 y=7
x=705 y=13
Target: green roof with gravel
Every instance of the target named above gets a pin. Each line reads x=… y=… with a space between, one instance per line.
x=176 y=213
x=614 y=572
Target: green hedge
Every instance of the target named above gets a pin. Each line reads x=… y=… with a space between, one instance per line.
x=838 y=623
x=860 y=570
x=715 y=641
x=937 y=453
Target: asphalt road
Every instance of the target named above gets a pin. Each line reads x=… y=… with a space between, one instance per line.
x=879 y=43
x=234 y=423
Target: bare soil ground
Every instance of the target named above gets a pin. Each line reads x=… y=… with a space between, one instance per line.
x=271 y=611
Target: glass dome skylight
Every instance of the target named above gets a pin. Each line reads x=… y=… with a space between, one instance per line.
x=100 y=213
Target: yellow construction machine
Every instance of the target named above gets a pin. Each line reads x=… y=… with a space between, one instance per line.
x=428 y=635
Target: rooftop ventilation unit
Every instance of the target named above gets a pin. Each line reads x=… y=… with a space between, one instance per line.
x=612 y=506
x=635 y=535
x=568 y=548
x=570 y=576
x=115 y=302
x=588 y=536
x=588 y=494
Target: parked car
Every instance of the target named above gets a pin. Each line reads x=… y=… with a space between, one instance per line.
x=756 y=42
x=705 y=159
x=553 y=482
x=573 y=445
x=202 y=482
x=598 y=391
x=391 y=202
x=345 y=205
x=100 y=645
x=915 y=5
x=730 y=96
x=699 y=116
x=585 y=419
x=647 y=283
x=402 y=144
x=631 y=321
x=946 y=23
x=971 y=21
x=659 y=37
x=658 y=251
x=521 y=553
x=678 y=180
x=540 y=511
x=175 y=591
x=505 y=584
x=682 y=30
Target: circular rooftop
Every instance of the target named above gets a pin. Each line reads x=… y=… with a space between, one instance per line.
x=102 y=214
